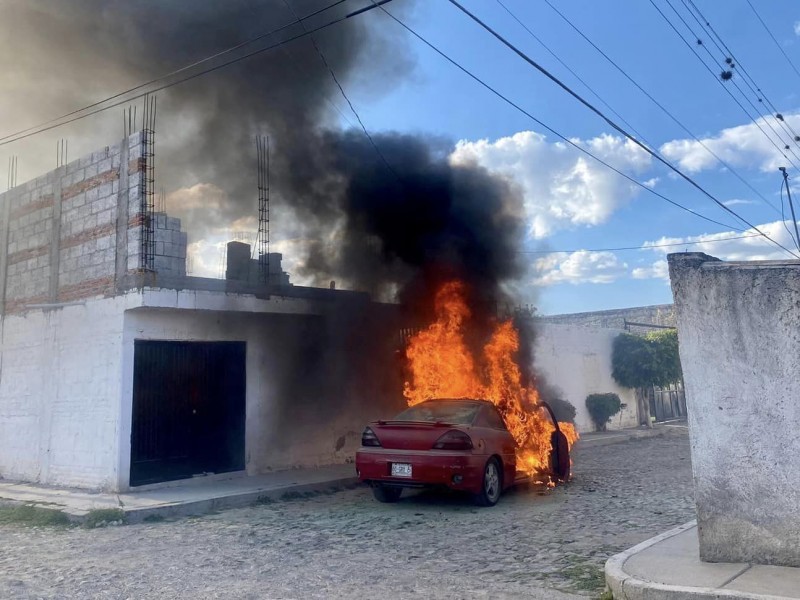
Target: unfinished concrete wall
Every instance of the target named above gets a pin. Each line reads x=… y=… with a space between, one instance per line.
x=170 y=246
x=577 y=360
x=739 y=332
x=75 y=232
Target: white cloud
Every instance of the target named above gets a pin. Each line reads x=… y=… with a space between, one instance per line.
x=732 y=245
x=582 y=266
x=738 y=202
x=658 y=270
x=741 y=146
x=562 y=187
x=651 y=183
x=797 y=28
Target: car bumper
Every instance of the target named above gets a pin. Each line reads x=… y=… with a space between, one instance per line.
x=455 y=470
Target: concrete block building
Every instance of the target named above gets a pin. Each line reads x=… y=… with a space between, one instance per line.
x=117 y=370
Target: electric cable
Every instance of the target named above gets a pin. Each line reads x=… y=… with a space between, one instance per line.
x=748 y=79
x=663 y=108
x=97 y=109
x=716 y=77
x=786 y=56
x=611 y=123
x=565 y=139
x=643 y=247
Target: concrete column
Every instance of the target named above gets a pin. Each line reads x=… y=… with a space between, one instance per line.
x=6 y=212
x=122 y=216
x=55 y=240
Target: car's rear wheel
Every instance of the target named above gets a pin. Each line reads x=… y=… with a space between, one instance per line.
x=492 y=484
x=384 y=493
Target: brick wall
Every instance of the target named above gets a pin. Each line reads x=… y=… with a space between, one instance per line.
x=72 y=233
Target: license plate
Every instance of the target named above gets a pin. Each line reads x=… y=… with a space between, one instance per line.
x=401 y=470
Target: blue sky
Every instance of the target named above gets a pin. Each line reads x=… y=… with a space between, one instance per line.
x=571 y=202
x=439 y=99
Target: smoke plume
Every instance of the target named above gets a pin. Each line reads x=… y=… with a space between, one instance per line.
x=390 y=215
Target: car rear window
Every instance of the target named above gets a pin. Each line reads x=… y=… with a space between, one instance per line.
x=444 y=411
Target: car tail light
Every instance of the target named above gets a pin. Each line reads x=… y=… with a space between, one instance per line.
x=453 y=440
x=368 y=438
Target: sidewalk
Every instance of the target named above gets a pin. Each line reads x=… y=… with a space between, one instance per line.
x=182 y=499
x=601 y=438
x=668 y=566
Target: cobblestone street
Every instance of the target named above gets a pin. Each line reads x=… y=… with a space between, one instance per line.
x=346 y=545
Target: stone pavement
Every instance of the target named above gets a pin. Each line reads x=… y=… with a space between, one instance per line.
x=201 y=495
x=534 y=544
x=668 y=566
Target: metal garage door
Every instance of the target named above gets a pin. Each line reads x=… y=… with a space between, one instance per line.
x=188 y=409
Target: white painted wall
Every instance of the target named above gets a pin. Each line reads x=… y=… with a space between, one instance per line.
x=66 y=380
x=288 y=424
x=60 y=394
x=577 y=360
x=739 y=333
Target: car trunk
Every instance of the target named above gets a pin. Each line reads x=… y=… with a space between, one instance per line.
x=408 y=435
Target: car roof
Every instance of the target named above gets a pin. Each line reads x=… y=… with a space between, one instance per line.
x=473 y=400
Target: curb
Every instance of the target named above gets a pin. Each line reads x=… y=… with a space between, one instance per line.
x=621 y=436
x=243 y=500
x=627 y=587
x=200 y=507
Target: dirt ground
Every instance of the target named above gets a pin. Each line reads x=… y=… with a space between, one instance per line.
x=346 y=545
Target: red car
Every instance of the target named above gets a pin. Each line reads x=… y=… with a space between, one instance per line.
x=461 y=444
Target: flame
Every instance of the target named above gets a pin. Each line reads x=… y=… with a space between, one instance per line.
x=441 y=365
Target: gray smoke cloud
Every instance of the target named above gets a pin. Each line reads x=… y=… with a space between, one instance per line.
x=394 y=221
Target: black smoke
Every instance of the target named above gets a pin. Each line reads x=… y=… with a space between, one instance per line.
x=391 y=216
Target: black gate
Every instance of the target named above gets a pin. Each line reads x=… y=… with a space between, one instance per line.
x=188 y=409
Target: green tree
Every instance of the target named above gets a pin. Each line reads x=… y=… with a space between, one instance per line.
x=641 y=361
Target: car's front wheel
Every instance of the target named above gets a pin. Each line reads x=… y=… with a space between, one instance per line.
x=492 y=484
x=384 y=493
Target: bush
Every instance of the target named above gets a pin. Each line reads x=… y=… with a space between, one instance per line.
x=563 y=410
x=602 y=407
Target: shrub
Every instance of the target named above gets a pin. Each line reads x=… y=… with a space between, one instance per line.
x=602 y=407
x=563 y=410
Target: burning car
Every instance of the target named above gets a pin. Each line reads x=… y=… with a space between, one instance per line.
x=461 y=444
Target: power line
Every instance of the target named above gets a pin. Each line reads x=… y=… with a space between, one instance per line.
x=786 y=56
x=716 y=78
x=344 y=94
x=542 y=124
x=611 y=123
x=567 y=67
x=97 y=109
x=728 y=59
x=748 y=79
x=642 y=247
x=661 y=106
x=729 y=64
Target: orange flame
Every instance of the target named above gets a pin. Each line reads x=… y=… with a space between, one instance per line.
x=441 y=365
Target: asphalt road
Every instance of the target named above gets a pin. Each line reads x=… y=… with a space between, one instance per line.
x=345 y=545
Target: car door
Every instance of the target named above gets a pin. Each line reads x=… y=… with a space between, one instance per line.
x=500 y=441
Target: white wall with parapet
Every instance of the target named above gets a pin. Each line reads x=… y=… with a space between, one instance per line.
x=739 y=333
x=60 y=394
x=66 y=381
x=577 y=360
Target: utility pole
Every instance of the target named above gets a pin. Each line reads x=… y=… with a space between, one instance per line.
x=791 y=206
